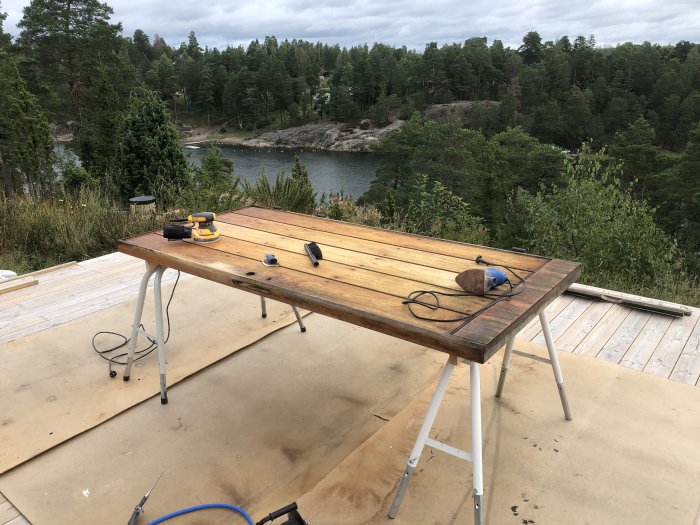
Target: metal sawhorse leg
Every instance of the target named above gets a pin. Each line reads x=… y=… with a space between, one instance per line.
x=553 y=360
x=136 y=326
x=476 y=457
x=159 y=338
x=294 y=309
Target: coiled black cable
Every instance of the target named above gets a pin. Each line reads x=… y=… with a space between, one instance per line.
x=415 y=298
x=139 y=354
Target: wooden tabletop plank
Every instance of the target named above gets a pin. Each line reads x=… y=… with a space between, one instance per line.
x=428 y=275
x=398 y=286
x=368 y=308
x=394 y=238
x=365 y=276
x=363 y=246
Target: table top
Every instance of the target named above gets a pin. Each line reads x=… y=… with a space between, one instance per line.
x=365 y=275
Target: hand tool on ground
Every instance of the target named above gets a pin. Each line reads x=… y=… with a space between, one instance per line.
x=139 y=508
x=293 y=516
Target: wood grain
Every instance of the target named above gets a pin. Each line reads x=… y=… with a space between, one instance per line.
x=365 y=276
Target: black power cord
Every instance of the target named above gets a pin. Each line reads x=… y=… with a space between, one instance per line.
x=139 y=354
x=418 y=297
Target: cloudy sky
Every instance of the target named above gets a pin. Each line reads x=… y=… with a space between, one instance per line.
x=413 y=23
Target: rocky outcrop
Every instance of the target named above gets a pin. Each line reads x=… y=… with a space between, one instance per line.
x=331 y=136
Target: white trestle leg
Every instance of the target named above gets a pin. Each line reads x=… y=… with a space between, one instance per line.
x=558 y=377
x=423 y=439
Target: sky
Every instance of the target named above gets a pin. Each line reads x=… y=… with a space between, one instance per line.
x=410 y=23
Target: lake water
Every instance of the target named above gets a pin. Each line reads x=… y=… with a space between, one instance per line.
x=329 y=171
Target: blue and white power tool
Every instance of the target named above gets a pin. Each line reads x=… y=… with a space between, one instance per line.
x=480 y=280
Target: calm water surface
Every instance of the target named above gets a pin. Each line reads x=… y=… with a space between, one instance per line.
x=330 y=171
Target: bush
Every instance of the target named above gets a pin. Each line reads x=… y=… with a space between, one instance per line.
x=36 y=233
x=594 y=219
x=287 y=193
x=435 y=211
x=342 y=208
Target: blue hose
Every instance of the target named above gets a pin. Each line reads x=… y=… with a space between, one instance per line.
x=202 y=507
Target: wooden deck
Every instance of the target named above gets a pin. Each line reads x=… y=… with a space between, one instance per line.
x=68 y=292
x=9 y=515
x=653 y=343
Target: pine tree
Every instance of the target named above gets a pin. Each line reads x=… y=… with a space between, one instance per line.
x=68 y=38
x=149 y=157
x=95 y=138
x=26 y=149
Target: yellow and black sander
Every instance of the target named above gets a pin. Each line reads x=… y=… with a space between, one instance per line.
x=202 y=228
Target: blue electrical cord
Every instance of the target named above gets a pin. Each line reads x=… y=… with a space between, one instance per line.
x=202 y=507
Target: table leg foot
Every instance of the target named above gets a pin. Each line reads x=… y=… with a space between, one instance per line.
x=163 y=390
x=400 y=492
x=126 y=378
x=263 y=307
x=501 y=382
x=564 y=401
x=505 y=366
x=298 y=315
x=477 y=509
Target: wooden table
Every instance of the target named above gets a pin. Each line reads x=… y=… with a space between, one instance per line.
x=364 y=278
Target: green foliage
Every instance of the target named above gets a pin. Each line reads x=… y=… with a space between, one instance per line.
x=287 y=193
x=75 y=178
x=435 y=211
x=678 y=189
x=457 y=157
x=595 y=219
x=36 y=233
x=341 y=208
x=94 y=139
x=5 y=38
x=26 y=150
x=299 y=171
x=637 y=150
x=149 y=158
x=68 y=39
x=215 y=187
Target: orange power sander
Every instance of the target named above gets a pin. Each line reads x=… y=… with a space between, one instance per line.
x=202 y=229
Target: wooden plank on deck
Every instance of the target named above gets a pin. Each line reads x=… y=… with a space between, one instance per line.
x=639 y=353
x=603 y=331
x=583 y=326
x=576 y=308
x=669 y=349
x=687 y=369
x=624 y=336
x=533 y=328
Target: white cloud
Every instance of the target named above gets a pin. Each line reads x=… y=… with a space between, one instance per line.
x=218 y=23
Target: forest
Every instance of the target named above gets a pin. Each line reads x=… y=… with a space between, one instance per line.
x=565 y=148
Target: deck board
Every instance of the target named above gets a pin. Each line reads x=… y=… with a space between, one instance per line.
x=9 y=515
x=624 y=336
x=687 y=369
x=565 y=319
x=580 y=329
x=643 y=346
x=669 y=349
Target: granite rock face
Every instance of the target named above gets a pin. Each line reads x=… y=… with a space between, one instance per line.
x=330 y=136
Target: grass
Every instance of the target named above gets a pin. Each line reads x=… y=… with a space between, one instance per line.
x=40 y=233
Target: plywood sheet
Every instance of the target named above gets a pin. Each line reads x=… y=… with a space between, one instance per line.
x=54 y=386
